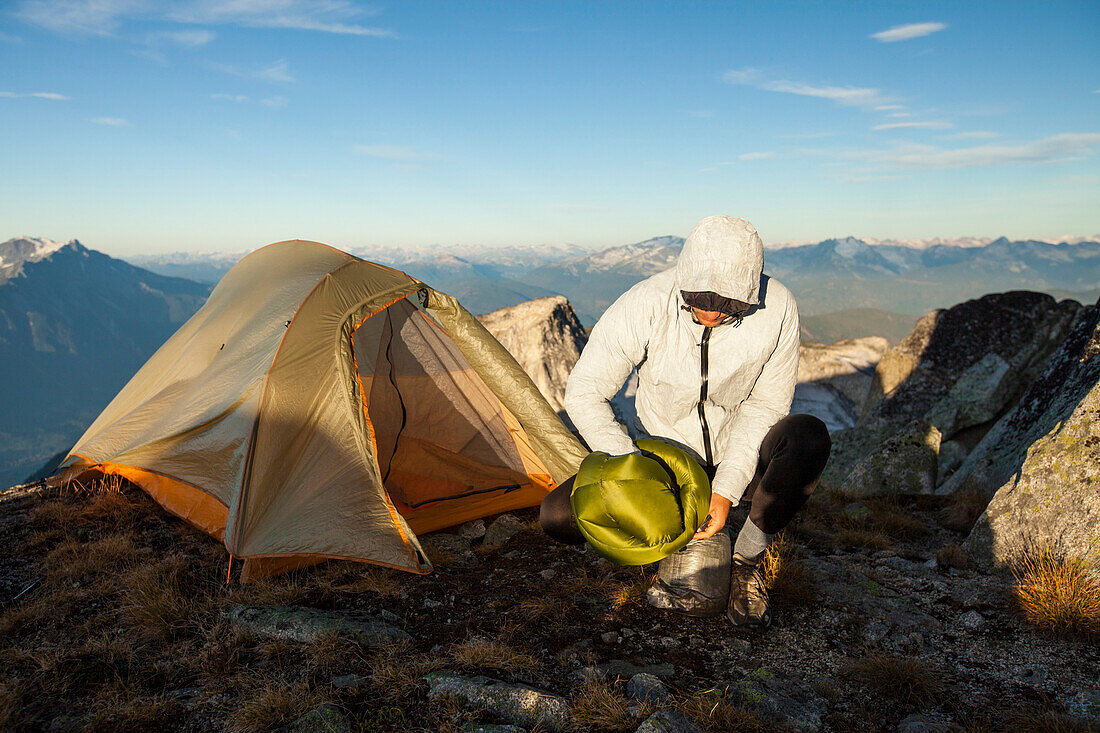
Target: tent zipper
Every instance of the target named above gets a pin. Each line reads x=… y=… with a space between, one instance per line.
x=704 y=345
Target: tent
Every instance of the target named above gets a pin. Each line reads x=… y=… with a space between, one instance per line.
x=320 y=406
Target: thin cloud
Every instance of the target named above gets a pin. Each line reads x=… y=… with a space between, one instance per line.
x=1054 y=149
x=394 y=152
x=888 y=107
x=325 y=16
x=192 y=39
x=755 y=156
x=8 y=38
x=94 y=17
x=852 y=96
x=914 y=125
x=905 y=32
x=53 y=96
x=111 y=121
x=275 y=102
x=106 y=17
x=278 y=71
x=900 y=114
x=974 y=135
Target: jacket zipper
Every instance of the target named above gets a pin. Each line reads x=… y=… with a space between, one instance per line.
x=703 y=368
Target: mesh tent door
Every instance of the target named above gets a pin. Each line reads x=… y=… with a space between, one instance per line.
x=438 y=430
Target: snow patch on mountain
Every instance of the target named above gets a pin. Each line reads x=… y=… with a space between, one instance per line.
x=17 y=252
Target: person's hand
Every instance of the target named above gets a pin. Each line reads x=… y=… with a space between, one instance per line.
x=719 y=512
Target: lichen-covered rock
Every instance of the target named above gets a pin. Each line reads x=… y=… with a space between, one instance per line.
x=952 y=454
x=545 y=337
x=787 y=702
x=474 y=530
x=502 y=529
x=927 y=723
x=1055 y=500
x=648 y=687
x=849 y=448
x=517 y=704
x=309 y=624
x=1021 y=327
x=668 y=721
x=979 y=395
x=1070 y=373
x=322 y=719
x=448 y=550
x=902 y=464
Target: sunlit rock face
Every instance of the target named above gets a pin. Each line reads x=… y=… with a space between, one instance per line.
x=545 y=337
x=833 y=379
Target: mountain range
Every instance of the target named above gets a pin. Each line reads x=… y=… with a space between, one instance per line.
x=75 y=324
x=879 y=281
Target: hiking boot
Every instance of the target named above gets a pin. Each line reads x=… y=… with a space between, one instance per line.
x=748 y=604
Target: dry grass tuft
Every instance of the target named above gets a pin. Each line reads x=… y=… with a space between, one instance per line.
x=869 y=539
x=123 y=708
x=894 y=520
x=1048 y=721
x=545 y=608
x=720 y=710
x=398 y=669
x=281 y=590
x=491 y=654
x=631 y=592
x=906 y=680
x=966 y=505
x=10 y=703
x=588 y=582
x=952 y=555
x=1058 y=595
x=72 y=559
x=268 y=704
x=599 y=705
x=344 y=577
x=220 y=657
x=332 y=653
x=785 y=575
x=156 y=602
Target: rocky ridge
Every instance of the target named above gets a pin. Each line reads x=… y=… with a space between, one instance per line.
x=545 y=337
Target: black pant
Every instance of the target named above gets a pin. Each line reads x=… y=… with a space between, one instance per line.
x=792 y=456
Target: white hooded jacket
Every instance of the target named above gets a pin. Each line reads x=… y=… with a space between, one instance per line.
x=733 y=381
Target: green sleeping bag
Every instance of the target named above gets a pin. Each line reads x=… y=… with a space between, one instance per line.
x=637 y=509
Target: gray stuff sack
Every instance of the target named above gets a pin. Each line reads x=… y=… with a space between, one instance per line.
x=696 y=580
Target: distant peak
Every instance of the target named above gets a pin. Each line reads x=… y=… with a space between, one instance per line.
x=17 y=252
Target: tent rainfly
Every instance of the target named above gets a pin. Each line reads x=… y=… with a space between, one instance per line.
x=320 y=406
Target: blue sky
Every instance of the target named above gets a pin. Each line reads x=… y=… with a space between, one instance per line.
x=136 y=125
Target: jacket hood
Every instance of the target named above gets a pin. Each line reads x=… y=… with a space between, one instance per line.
x=722 y=255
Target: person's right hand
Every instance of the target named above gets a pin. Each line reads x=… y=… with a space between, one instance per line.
x=719 y=512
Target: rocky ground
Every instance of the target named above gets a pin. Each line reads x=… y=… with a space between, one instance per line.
x=115 y=615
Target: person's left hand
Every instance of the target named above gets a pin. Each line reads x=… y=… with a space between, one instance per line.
x=719 y=512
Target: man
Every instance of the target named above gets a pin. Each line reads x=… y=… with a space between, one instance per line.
x=715 y=343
